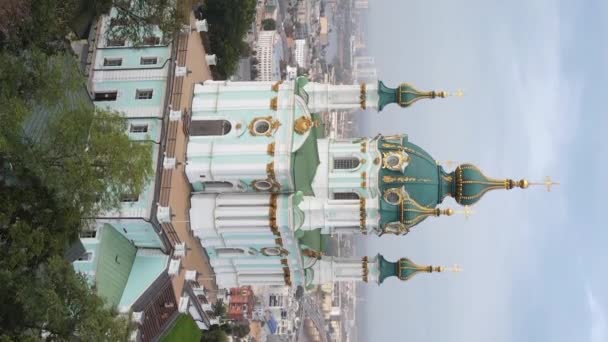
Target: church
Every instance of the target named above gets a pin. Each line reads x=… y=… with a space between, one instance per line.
x=269 y=188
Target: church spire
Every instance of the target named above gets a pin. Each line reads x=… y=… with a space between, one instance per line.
x=325 y=97
x=405 y=269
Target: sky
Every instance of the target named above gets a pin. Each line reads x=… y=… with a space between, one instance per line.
x=534 y=73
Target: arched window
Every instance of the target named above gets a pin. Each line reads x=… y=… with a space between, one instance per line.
x=229 y=252
x=346 y=163
x=217 y=186
x=346 y=196
x=209 y=127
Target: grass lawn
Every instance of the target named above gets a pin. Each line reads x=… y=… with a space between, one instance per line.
x=184 y=330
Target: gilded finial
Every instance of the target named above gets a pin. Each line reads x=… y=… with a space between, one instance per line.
x=444 y=94
x=448 y=163
x=454 y=268
x=467 y=211
x=447 y=212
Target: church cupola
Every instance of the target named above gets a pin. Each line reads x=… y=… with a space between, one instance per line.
x=405 y=95
x=405 y=269
x=409 y=213
x=470 y=184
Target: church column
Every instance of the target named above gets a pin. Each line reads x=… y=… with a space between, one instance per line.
x=326 y=97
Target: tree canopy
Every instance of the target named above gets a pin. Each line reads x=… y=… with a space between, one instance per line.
x=229 y=21
x=269 y=24
x=41 y=296
x=136 y=20
x=61 y=161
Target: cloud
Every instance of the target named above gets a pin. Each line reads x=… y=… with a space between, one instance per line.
x=599 y=326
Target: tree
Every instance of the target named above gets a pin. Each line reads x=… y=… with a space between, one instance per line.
x=219 y=309
x=41 y=296
x=214 y=336
x=229 y=21
x=137 y=20
x=269 y=25
x=240 y=329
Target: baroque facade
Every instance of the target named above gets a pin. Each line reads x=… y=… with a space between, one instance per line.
x=269 y=188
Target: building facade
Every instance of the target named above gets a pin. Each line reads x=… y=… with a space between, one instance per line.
x=269 y=188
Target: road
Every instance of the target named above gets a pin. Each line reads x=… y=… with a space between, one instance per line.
x=313 y=312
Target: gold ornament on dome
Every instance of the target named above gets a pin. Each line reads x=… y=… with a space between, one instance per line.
x=396 y=193
x=404 y=179
x=303 y=124
x=389 y=158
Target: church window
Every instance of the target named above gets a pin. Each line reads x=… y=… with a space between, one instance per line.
x=138 y=129
x=392 y=196
x=143 y=94
x=227 y=251
x=105 y=95
x=112 y=61
x=346 y=163
x=262 y=185
x=217 y=186
x=261 y=127
x=346 y=196
x=210 y=127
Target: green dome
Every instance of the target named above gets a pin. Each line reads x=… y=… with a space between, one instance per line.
x=470 y=184
x=424 y=181
x=404 y=269
x=405 y=95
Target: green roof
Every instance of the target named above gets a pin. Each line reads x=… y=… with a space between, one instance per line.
x=114 y=263
x=313 y=239
x=304 y=164
x=183 y=330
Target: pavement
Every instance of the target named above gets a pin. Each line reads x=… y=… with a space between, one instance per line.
x=192 y=53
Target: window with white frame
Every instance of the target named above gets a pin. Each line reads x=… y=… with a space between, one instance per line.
x=346 y=196
x=209 y=127
x=115 y=42
x=110 y=95
x=148 y=60
x=88 y=256
x=138 y=128
x=152 y=40
x=143 y=94
x=88 y=234
x=112 y=62
x=346 y=163
x=129 y=198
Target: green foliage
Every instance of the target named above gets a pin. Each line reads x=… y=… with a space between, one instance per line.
x=269 y=24
x=40 y=294
x=229 y=21
x=240 y=329
x=214 y=336
x=134 y=20
x=219 y=309
x=184 y=330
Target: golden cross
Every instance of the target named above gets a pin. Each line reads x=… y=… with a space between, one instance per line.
x=454 y=268
x=548 y=183
x=458 y=93
x=467 y=211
